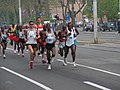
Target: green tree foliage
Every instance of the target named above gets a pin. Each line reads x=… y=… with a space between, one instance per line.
x=110 y=6
x=30 y=8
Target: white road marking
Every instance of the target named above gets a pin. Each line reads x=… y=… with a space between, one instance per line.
x=10 y=49
x=26 y=78
x=92 y=68
x=96 y=85
x=13 y=49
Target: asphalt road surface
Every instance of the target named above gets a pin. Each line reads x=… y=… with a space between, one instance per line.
x=98 y=68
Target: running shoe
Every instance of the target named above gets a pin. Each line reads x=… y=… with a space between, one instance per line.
x=27 y=50
x=39 y=54
x=74 y=64
x=65 y=62
x=23 y=55
x=18 y=54
x=45 y=53
x=4 y=56
x=31 y=64
x=49 y=66
x=15 y=51
x=44 y=61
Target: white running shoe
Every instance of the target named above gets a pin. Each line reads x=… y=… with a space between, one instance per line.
x=4 y=56
x=27 y=50
x=15 y=51
x=18 y=54
x=40 y=55
x=65 y=62
x=45 y=52
x=74 y=64
x=49 y=66
x=23 y=55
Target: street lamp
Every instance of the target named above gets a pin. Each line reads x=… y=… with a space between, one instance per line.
x=95 y=21
x=20 y=13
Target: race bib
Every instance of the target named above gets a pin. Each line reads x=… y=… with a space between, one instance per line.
x=50 y=40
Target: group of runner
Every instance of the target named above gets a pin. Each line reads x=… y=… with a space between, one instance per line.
x=41 y=38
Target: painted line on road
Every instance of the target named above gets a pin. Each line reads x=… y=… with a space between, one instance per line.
x=92 y=68
x=13 y=49
x=10 y=49
x=96 y=85
x=26 y=78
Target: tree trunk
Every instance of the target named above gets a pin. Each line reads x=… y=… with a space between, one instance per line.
x=73 y=16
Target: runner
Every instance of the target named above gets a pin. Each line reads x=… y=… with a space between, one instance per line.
x=4 y=36
x=71 y=43
x=16 y=40
x=21 y=41
x=62 y=40
x=43 y=44
x=31 y=41
x=50 y=44
x=12 y=31
x=39 y=27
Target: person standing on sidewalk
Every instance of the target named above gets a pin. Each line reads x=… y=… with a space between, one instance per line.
x=118 y=25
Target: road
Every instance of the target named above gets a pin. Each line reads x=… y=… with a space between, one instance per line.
x=98 y=68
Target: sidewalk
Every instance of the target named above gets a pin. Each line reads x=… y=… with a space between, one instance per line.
x=100 y=43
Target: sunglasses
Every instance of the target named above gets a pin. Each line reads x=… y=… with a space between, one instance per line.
x=31 y=24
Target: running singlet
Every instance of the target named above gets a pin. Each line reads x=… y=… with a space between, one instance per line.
x=70 y=39
x=31 y=37
x=21 y=35
x=13 y=30
x=50 y=37
x=40 y=27
x=62 y=40
x=3 y=36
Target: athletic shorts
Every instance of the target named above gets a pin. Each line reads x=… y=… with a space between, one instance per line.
x=4 y=41
x=75 y=43
x=33 y=45
x=21 y=40
x=61 y=44
x=50 y=46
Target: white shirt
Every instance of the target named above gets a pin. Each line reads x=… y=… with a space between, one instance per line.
x=70 y=39
x=31 y=36
x=50 y=37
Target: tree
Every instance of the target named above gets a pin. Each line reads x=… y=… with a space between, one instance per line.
x=110 y=6
x=69 y=6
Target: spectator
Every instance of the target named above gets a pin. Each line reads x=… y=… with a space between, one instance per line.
x=118 y=25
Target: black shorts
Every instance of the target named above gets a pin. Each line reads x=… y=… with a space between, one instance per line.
x=50 y=46
x=4 y=41
x=21 y=40
x=33 y=45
